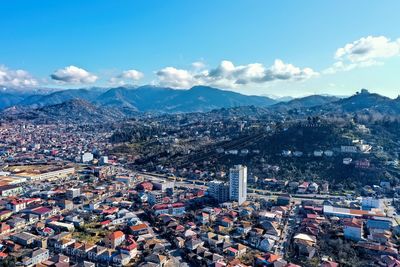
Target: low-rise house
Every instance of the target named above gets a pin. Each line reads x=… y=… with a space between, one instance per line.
x=313 y=187
x=37 y=256
x=379 y=236
x=24 y=238
x=17 y=222
x=31 y=218
x=269 y=216
x=83 y=250
x=5 y=214
x=266 y=244
x=179 y=242
x=95 y=253
x=114 y=239
x=139 y=229
x=73 y=249
x=225 y=221
x=57 y=260
x=130 y=249
x=106 y=256
x=375 y=249
x=353 y=228
x=61 y=241
x=380 y=223
x=43 y=212
x=4 y=228
x=203 y=218
x=213 y=239
x=271 y=228
x=121 y=259
x=192 y=244
x=305 y=245
x=10 y=190
x=158 y=259
x=236 y=251
x=244 y=228
x=303 y=188
x=175 y=209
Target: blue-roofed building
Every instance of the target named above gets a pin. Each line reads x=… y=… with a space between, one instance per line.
x=380 y=223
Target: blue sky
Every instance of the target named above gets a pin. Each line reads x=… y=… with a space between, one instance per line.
x=254 y=47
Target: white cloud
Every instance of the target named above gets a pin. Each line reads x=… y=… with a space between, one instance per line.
x=126 y=77
x=176 y=78
x=198 y=65
x=132 y=74
x=18 y=78
x=73 y=75
x=231 y=76
x=364 y=52
x=368 y=48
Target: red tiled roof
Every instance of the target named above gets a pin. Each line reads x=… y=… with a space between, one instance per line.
x=353 y=222
x=3 y=255
x=130 y=247
x=41 y=210
x=138 y=227
x=116 y=235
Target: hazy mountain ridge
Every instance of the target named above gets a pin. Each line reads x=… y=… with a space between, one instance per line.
x=131 y=101
x=149 y=98
x=305 y=102
x=362 y=102
x=74 y=110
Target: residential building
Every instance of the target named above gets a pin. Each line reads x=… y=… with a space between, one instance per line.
x=238 y=184
x=219 y=190
x=10 y=190
x=37 y=256
x=115 y=239
x=368 y=203
x=73 y=193
x=353 y=228
x=155 y=197
x=163 y=185
x=86 y=157
x=175 y=209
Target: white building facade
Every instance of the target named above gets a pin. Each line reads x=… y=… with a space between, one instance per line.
x=238 y=184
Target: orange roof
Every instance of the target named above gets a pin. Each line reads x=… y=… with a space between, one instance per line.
x=138 y=227
x=352 y=222
x=116 y=235
x=274 y=257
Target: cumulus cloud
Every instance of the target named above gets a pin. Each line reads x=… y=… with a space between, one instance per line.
x=364 y=52
x=176 y=78
x=18 y=78
x=126 y=77
x=73 y=75
x=369 y=48
x=226 y=74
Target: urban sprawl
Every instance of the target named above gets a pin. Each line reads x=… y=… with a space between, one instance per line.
x=72 y=197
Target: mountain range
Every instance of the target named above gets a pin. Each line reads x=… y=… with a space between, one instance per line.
x=143 y=99
x=121 y=102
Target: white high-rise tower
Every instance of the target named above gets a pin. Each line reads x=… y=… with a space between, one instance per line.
x=238 y=184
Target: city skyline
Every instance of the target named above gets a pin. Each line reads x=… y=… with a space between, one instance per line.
x=255 y=48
